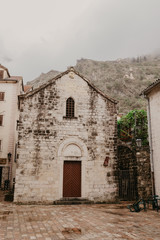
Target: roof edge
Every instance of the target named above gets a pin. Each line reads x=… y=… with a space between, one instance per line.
x=71 y=69
x=6 y=69
x=95 y=88
x=147 y=90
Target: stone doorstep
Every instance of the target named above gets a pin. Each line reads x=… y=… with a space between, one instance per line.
x=72 y=201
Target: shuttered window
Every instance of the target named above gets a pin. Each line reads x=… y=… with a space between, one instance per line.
x=1 y=120
x=70 y=108
x=1 y=74
x=1 y=96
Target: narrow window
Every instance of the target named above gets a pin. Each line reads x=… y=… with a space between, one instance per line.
x=70 y=108
x=1 y=96
x=1 y=120
x=17 y=125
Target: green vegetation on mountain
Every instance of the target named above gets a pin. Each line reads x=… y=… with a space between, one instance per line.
x=123 y=79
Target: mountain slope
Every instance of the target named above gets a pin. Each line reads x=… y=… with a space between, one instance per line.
x=43 y=78
x=122 y=79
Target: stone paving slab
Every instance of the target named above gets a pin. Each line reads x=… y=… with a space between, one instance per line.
x=80 y=222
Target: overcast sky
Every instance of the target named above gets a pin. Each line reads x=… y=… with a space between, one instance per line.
x=39 y=35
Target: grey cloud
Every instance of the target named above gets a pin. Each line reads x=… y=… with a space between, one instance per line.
x=7 y=59
x=105 y=30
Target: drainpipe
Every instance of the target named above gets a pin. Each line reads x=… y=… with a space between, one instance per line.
x=151 y=147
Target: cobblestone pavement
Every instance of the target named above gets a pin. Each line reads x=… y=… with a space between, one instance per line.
x=98 y=222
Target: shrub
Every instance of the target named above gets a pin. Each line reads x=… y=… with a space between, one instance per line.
x=134 y=126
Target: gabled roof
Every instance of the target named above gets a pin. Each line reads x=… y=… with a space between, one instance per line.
x=1 y=66
x=153 y=85
x=71 y=69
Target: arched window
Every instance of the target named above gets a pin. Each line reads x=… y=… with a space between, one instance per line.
x=70 y=108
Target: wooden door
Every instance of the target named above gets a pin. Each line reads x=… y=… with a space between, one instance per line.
x=72 y=179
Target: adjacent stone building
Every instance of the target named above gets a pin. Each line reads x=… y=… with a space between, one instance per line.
x=67 y=142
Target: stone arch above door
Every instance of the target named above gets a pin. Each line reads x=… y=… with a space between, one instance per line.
x=72 y=150
x=72 y=147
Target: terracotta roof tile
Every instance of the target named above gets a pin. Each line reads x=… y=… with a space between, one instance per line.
x=27 y=88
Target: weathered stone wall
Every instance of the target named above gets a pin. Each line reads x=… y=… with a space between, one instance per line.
x=127 y=173
x=137 y=161
x=144 y=184
x=126 y=158
x=45 y=135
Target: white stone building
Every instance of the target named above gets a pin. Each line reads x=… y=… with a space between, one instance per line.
x=67 y=142
x=152 y=94
x=10 y=88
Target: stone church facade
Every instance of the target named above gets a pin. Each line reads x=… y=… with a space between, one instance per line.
x=67 y=142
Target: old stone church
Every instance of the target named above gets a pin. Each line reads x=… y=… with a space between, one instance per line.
x=67 y=142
